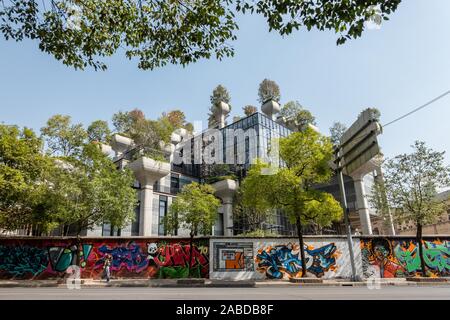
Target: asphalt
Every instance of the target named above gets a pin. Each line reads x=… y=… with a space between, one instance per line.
x=426 y=292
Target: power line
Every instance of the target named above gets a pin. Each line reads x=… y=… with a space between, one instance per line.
x=418 y=108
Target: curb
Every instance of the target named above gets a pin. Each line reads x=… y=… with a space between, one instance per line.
x=213 y=284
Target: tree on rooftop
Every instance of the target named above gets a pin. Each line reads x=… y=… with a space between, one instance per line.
x=249 y=110
x=297 y=116
x=268 y=90
x=82 y=33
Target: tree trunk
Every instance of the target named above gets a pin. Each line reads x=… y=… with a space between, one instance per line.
x=191 y=243
x=419 y=244
x=302 y=250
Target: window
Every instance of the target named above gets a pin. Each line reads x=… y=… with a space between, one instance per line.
x=162 y=215
x=174 y=183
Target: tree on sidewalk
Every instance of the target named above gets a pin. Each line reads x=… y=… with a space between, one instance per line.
x=306 y=155
x=410 y=185
x=194 y=209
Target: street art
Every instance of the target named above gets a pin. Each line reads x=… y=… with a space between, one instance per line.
x=130 y=256
x=47 y=258
x=386 y=258
x=22 y=261
x=61 y=257
x=233 y=256
x=283 y=261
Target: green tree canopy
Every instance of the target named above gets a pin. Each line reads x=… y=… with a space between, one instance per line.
x=306 y=155
x=24 y=186
x=157 y=32
x=62 y=137
x=99 y=131
x=297 y=116
x=194 y=209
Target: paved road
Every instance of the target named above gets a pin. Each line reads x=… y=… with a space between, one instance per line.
x=273 y=293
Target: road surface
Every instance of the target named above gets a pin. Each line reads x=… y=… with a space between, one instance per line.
x=271 y=293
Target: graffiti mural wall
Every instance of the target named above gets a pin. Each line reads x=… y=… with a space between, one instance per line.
x=278 y=258
x=131 y=258
x=399 y=258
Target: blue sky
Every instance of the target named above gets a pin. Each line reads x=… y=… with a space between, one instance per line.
x=395 y=69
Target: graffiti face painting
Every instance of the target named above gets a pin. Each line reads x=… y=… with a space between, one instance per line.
x=283 y=261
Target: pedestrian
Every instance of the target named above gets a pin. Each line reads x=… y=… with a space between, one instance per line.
x=107 y=267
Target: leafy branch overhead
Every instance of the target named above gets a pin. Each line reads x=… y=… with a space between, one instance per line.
x=81 y=33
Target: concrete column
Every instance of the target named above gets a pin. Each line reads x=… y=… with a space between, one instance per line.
x=227 y=216
x=147 y=172
x=363 y=206
x=225 y=190
x=145 y=212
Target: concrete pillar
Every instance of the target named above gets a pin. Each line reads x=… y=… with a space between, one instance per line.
x=362 y=204
x=227 y=216
x=146 y=211
x=147 y=172
x=225 y=190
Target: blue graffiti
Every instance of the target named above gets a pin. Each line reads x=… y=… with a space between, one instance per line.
x=130 y=256
x=21 y=261
x=280 y=261
x=323 y=259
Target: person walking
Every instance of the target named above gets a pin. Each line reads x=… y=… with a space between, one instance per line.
x=107 y=267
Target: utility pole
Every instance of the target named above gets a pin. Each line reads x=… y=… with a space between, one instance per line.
x=340 y=177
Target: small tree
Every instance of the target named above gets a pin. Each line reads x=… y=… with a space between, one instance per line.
x=63 y=138
x=249 y=110
x=219 y=94
x=336 y=132
x=254 y=210
x=306 y=155
x=297 y=116
x=24 y=185
x=194 y=209
x=268 y=90
x=410 y=186
x=99 y=131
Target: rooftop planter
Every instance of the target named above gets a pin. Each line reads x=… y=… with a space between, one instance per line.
x=225 y=188
x=270 y=108
x=121 y=144
x=148 y=170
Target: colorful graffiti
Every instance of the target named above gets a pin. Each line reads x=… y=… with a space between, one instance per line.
x=283 y=261
x=46 y=258
x=22 y=261
x=387 y=258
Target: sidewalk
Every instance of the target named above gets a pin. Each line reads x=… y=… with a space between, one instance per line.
x=192 y=283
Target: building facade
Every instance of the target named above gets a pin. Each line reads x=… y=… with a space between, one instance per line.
x=236 y=146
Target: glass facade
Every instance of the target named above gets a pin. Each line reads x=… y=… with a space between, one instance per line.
x=162 y=214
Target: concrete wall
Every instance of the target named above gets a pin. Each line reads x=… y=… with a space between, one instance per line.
x=39 y=258
x=279 y=258
x=398 y=257
x=222 y=258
